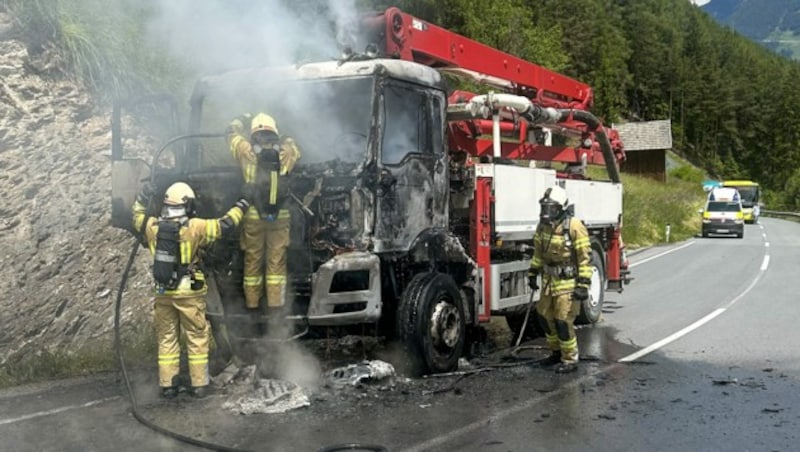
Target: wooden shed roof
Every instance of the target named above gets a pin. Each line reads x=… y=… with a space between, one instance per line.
x=646 y=135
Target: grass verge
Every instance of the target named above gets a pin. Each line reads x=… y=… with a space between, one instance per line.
x=139 y=349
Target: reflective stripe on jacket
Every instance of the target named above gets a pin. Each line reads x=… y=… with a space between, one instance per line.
x=552 y=250
x=197 y=233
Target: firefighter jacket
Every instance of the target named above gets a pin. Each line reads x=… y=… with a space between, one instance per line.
x=270 y=184
x=561 y=255
x=195 y=234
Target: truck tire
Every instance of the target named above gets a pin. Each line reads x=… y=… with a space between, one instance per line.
x=592 y=308
x=431 y=324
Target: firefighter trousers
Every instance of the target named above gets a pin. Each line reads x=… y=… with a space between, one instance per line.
x=559 y=312
x=265 y=240
x=186 y=316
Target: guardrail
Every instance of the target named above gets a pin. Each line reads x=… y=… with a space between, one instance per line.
x=776 y=213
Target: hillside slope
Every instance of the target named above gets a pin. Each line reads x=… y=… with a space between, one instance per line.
x=61 y=262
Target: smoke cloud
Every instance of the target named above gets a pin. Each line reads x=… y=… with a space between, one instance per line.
x=218 y=35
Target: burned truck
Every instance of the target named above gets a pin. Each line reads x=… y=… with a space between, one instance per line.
x=413 y=205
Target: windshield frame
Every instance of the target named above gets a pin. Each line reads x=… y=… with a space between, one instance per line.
x=198 y=118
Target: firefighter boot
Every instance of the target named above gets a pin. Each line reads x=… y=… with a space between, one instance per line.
x=169 y=392
x=552 y=360
x=199 y=391
x=565 y=368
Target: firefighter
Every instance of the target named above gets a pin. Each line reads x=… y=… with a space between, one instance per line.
x=266 y=159
x=561 y=256
x=174 y=239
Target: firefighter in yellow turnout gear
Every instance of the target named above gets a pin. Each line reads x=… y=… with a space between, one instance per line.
x=266 y=159
x=561 y=256
x=174 y=239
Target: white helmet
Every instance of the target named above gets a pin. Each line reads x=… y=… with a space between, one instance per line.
x=553 y=204
x=178 y=201
x=178 y=194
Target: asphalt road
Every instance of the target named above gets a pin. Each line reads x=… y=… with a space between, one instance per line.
x=698 y=353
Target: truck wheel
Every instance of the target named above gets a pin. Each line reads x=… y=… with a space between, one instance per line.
x=431 y=324
x=592 y=308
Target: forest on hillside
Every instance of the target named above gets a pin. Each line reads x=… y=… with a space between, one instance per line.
x=734 y=105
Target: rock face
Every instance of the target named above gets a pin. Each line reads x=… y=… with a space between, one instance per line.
x=60 y=259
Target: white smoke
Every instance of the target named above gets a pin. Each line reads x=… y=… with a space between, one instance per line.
x=217 y=35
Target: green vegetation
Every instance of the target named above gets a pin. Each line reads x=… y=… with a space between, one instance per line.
x=99 y=42
x=139 y=350
x=650 y=206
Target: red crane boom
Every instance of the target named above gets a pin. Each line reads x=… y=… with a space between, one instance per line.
x=406 y=37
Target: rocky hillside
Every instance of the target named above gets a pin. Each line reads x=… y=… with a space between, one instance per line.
x=61 y=261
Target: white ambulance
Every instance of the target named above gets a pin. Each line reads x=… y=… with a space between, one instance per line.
x=723 y=213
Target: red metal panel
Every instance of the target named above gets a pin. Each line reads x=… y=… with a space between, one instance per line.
x=613 y=258
x=481 y=239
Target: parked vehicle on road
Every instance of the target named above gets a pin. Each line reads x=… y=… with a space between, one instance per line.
x=723 y=213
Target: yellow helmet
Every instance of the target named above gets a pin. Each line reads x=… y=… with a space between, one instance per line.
x=178 y=194
x=263 y=122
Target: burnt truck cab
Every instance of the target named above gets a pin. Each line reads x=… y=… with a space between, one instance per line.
x=370 y=194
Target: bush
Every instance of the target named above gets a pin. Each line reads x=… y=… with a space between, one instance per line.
x=103 y=44
x=688 y=173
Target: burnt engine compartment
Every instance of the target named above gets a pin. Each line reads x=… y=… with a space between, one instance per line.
x=327 y=211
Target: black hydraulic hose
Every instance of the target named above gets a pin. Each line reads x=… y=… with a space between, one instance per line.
x=605 y=145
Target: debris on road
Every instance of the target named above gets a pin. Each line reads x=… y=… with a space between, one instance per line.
x=263 y=395
x=353 y=374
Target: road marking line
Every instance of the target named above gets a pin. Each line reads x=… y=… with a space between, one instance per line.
x=766 y=244
x=660 y=254
x=653 y=347
x=55 y=411
x=673 y=337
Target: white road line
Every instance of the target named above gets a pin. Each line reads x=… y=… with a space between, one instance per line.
x=661 y=254
x=653 y=347
x=766 y=244
x=55 y=411
x=671 y=338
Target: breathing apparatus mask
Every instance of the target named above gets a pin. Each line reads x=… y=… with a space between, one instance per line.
x=266 y=146
x=553 y=205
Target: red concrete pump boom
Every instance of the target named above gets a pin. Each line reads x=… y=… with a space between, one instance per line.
x=400 y=35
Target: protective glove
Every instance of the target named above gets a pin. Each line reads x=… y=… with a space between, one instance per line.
x=533 y=279
x=146 y=193
x=581 y=293
x=235 y=127
x=238 y=125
